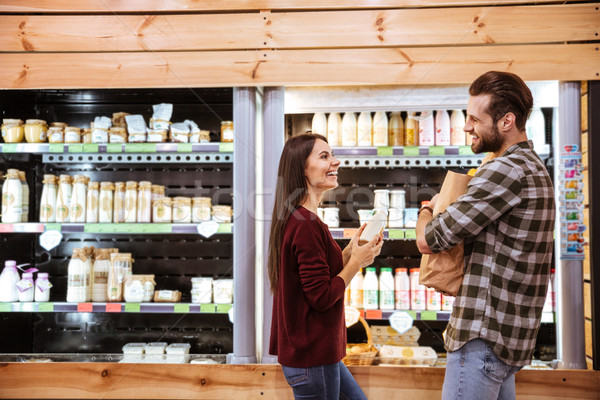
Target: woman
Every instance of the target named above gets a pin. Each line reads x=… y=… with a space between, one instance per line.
x=308 y=273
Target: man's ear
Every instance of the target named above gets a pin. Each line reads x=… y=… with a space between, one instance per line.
x=507 y=122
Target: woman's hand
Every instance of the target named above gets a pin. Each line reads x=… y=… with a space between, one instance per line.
x=360 y=256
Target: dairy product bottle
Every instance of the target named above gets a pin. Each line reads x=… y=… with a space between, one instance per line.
x=380 y=129
x=91 y=204
x=402 y=289
x=42 y=287
x=347 y=294
x=442 y=128
x=105 y=206
x=25 y=188
x=370 y=290
x=364 y=129
x=426 y=129
x=458 y=137
x=356 y=291
x=63 y=198
x=349 y=130
x=131 y=200
x=536 y=129
x=447 y=302
x=434 y=300
x=48 y=199
x=334 y=129
x=386 y=289
x=26 y=288
x=411 y=131
x=319 y=124
x=12 y=198
x=374 y=227
x=418 y=297
x=77 y=208
x=396 y=129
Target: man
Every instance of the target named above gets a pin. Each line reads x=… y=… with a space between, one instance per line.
x=506 y=219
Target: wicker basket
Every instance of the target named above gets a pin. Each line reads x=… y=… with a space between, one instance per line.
x=366 y=357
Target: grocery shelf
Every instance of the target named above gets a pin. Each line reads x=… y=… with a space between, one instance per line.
x=125 y=228
x=157 y=308
x=392 y=234
x=62 y=148
x=427 y=315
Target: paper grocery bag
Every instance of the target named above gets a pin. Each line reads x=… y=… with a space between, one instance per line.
x=444 y=271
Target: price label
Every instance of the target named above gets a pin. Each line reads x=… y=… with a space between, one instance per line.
x=75 y=148
x=373 y=314
x=113 y=307
x=207 y=308
x=155 y=228
x=90 y=147
x=56 y=148
x=349 y=233
x=132 y=307
x=5 y=307
x=465 y=151
x=225 y=147
x=52 y=227
x=411 y=150
x=50 y=239
x=437 y=150
x=385 y=151
x=181 y=308
x=410 y=234
x=85 y=307
x=98 y=228
x=9 y=148
x=428 y=315
x=352 y=315
x=208 y=228
x=114 y=148
x=46 y=307
x=396 y=233
x=28 y=307
x=225 y=228
x=184 y=147
x=140 y=147
x=401 y=321
x=223 y=308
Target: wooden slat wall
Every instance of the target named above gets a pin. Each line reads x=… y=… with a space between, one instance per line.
x=95 y=44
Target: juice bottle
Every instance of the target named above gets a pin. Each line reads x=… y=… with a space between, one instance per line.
x=458 y=137
x=380 y=129
x=442 y=128
x=426 y=129
x=396 y=129
x=370 y=290
x=411 y=131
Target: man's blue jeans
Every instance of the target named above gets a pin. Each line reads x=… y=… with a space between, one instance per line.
x=474 y=372
x=323 y=382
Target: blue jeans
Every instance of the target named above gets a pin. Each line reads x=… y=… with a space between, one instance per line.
x=323 y=382
x=474 y=372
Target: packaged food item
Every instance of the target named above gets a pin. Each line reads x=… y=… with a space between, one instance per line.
x=13 y=130
x=86 y=135
x=357 y=290
x=222 y=214
x=442 y=128
x=93 y=195
x=8 y=282
x=349 y=137
x=201 y=136
x=182 y=210
x=334 y=129
x=12 y=198
x=133 y=289
x=380 y=129
x=180 y=132
x=78 y=207
x=155 y=352
x=144 y=202
x=25 y=194
x=73 y=134
x=202 y=290
x=396 y=129
x=398 y=199
x=418 y=296
x=120 y=270
x=105 y=211
x=133 y=352
x=365 y=216
x=158 y=192
x=161 y=116
x=100 y=128
x=100 y=271
x=117 y=135
x=426 y=129
x=319 y=124
x=223 y=291
x=42 y=287
x=402 y=289
x=131 y=200
x=398 y=355
x=118 y=119
x=149 y=284
x=161 y=210
x=119 y=203
x=63 y=199
x=386 y=289
x=167 y=296
x=78 y=277
x=331 y=217
x=458 y=137
x=374 y=227
x=178 y=353
x=157 y=135
x=25 y=287
x=381 y=199
x=48 y=199
x=35 y=130
x=227 y=131
x=55 y=135
x=201 y=209
x=365 y=129
x=370 y=290
x=136 y=127
x=395 y=218
x=411 y=130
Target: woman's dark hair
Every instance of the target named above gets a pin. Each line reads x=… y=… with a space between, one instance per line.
x=508 y=93
x=290 y=193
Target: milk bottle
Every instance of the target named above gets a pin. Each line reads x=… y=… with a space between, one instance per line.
x=380 y=129
x=334 y=129
x=370 y=290
x=48 y=200
x=426 y=129
x=386 y=289
x=349 y=129
x=25 y=187
x=417 y=292
x=319 y=124
x=364 y=129
x=442 y=128
x=411 y=130
x=402 y=289
x=356 y=291
x=458 y=137
x=12 y=198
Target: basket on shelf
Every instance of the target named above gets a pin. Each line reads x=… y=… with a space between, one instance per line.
x=360 y=353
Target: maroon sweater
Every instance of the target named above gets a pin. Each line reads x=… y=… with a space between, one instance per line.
x=308 y=325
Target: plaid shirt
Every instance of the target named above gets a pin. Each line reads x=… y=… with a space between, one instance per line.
x=506 y=218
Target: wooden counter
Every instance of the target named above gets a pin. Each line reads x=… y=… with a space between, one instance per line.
x=255 y=381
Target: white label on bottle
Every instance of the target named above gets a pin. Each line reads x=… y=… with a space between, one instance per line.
x=352 y=315
x=208 y=228
x=50 y=239
x=401 y=321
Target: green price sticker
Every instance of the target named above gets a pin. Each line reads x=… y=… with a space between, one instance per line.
x=181 y=308
x=225 y=147
x=140 y=147
x=385 y=151
x=437 y=150
x=155 y=228
x=428 y=316
x=56 y=148
x=46 y=307
x=75 y=148
x=9 y=148
x=465 y=151
x=410 y=234
x=132 y=307
x=184 y=147
x=412 y=313
x=90 y=148
x=99 y=228
x=396 y=233
x=411 y=150
x=224 y=228
x=114 y=148
x=223 y=308
x=5 y=307
x=207 y=308
x=52 y=227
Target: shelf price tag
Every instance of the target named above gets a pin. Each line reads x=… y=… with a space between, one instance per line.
x=114 y=147
x=437 y=150
x=9 y=147
x=85 y=307
x=373 y=314
x=225 y=147
x=46 y=307
x=465 y=151
x=5 y=307
x=75 y=148
x=113 y=307
x=349 y=233
x=396 y=233
x=208 y=228
x=181 y=308
x=156 y=228
x=207 y=308
x=225 y=228
x=410 y=234
x=184 y=147
x=132 y=307
x=140 y=147
x=98 y=228
x=223 y=308
x=52 y=227
x=428 y=315
x=352 y=315
x=50 y=239
x=56 y=148
x=411 y=150
x=90 y=147
x=401 y=321
x=385 y=151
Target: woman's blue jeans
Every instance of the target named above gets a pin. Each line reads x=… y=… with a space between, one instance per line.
x=323 y=382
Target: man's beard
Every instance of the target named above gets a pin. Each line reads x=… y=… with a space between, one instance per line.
x=489 y=143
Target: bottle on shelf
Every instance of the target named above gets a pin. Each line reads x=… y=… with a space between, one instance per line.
x=25 y=188
x=77 y=207
x=426 y=129
x=365 y=129
x=386 y=289
x=380 y=129
x=447 y=302
x=402 y=289
x=119 y=203
x=92 y=201
x=396 y=129
x=42 y=288
x=77 y=278
x=458 y=137
x=12 y=198
x=418 y=297
x=434 y=300
x=334 y=129
x=105 y=207
x=8 y=282
x=442 y=128
x=349 y=130
x=25 y=287
x=356 y=291
x=144 y=205
x=63 y=198
x=319 y=124
x=48 y=198
x=131 y=200
x=536 y=129
x=411 y=130
x=370 y=290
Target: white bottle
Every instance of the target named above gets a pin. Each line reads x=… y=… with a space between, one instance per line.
x=402 y=289
x=356 y=291
x=119 y=202
x=48 y=199
x=92 y=201
x=349 y=130
x=380 y=129
x=370 y=290
x=319 y=124
x=144 y=204
x=386 y=289
x=77 y=208
x=364 y=129
x=434 y=300
x=8 y=282
x=396 y=129
x=63 y=199
x=418 y=297
x=447 y=302
x=105 y=207
x=442 y=128
x=458 y=137
x=42 y=287
x=374 y=227
x=12 y=198
x=76 y=278
x=426 y=129
x=25 y=187
x=131 y=195
x=25 y=287
x=334 y=129
x=100 y=270
x=536 y=129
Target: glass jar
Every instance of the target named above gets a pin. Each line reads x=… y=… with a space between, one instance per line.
x=105 y=212
x=226 y=131
x=144 y=202
x=55 y=135
x=72 y=134
x=222 y=214
x=158 y=192
x=201 y=209
x=131 y=195
x=13 y=130
x=35 y=130
x=182 y=210
x=161 y=210
x=93 y=194
x=117 y=135
x=86 y=135
x=48 y=200
x=119 y=203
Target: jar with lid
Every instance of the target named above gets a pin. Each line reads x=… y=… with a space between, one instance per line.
x=222 y=214
x=381 y=200
x=144 y=203
x=86 y=135
x=226 y=131
x=331 y=217
x=73 y=134
x=133 y=289
x=35 y=130
x=158 y=192
x=149 y=285
x=93 y=194
x=25 y=286
x=117 y=135
x=161 y=210
x=77 y=277
x=63 y=199
x=119 y=203
x=105 y=211
x=42 y=287
x=201 y=208
x=12 y=198
x=13 y=130
x=182 y=210
x=48 y=199
x=55 y=135
x=131 y=199
x=25 y=188
x=99 y=275
x=77 y=208
x=202 y=290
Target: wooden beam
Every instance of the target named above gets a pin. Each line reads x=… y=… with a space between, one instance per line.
x=146 y=6
x=294 y=30
x=386 y=66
